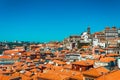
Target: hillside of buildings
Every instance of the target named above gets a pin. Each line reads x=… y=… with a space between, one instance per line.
x=87 y=56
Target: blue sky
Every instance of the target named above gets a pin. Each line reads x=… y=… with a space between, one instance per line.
x=49 y=20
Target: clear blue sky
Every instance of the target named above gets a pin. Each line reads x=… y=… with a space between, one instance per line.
x=46 y=20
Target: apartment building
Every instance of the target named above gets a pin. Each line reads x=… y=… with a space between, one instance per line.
x=111 y=33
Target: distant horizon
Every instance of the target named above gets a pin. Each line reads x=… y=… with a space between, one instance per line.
x=58 y=40
x=54 y=20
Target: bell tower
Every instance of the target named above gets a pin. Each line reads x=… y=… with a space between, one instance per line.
x=88 y=30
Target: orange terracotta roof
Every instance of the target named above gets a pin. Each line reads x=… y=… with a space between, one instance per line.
x=107 y=59
x=56 y=53
x=111 y=47
x=16 y=74
x=36 y=60
x=114 y=75
x=101 y=50
x=6 y=72
x=34 y=70
x=83 y=55
x=18 y=68
x=31 y=64
x=15 y=58
x=6 y=66
x=90 y=61
x=48 y=52
x=57 y=67
x=25 y=67
x=35 y=77
x=49 y=65
x=76 y=77
x=28 y=73
x=69 y=72
x=37 y=49
x=85 y=46
x=38 y=57
x=98 y=33
x=65 y=51
x=60 y=74
x=58 y=58
x=14 y=77
x=84 y=63
x=29 y=61
x=5 y=57
x=95 y=72
x=112 y=55
x=28 y=53
x=58 y=62
x=18 y=63
x=24 y=77
x=48 y=76
x=68 y=66
x=3 y=77
x=14 y=51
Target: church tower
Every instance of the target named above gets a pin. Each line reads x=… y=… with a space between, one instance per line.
x=88 y=30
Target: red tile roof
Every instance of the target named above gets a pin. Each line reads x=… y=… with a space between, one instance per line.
x=58 y=62
x=114 y=75
x=96 y=72
x=107 y=59
x=84 y=63
x=5 y=57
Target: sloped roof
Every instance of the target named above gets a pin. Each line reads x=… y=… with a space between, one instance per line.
x=107 y=59
x=58 y=62
x=95 y=72
x=114 y=75
x=84 y=63
x=5 y=57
